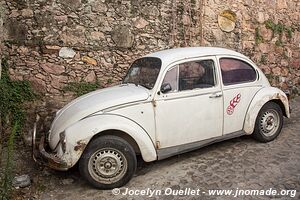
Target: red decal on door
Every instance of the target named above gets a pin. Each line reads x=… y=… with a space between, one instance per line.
x=233 y=103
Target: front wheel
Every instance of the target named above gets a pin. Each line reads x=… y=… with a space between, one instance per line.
x=108 y=162
x=268 y=122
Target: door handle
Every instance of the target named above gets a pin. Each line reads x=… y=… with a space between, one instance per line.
x=216 y=95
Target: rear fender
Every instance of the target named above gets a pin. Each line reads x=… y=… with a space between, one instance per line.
x=261 y=98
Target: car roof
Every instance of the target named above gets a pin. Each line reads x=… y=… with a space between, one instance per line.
x=171 y=55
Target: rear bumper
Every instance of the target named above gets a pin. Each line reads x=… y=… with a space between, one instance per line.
x=42 y=157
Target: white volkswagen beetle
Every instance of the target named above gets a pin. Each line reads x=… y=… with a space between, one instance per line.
x=170 y=102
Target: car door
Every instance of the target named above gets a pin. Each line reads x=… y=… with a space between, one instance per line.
x=189 y=107
x=239 y=83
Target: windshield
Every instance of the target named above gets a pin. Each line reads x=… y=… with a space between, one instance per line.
x=144 y=72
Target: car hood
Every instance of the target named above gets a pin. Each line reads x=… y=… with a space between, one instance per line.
x=92 y=103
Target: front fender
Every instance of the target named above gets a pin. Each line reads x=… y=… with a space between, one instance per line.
x=261 y=98
x=79 y=135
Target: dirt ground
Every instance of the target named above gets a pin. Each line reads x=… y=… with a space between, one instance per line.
x=238 y=163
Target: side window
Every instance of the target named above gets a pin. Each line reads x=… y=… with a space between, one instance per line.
x=191 y=75
x=235 y=71
x=196 y=74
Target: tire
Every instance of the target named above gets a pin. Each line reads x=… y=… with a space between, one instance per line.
x=108 y=162
x=268 y=122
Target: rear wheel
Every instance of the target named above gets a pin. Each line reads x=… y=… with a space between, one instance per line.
x=108 y=162
x=268 y=122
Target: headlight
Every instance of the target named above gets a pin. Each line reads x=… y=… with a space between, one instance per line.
x=63 y=141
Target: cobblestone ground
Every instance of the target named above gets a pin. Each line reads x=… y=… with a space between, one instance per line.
x=238 y=163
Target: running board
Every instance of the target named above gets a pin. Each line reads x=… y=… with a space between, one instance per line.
x=179 y=149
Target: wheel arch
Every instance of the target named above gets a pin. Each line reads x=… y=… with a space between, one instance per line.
x=263 y=96
x=281 y=105
x=121 y=134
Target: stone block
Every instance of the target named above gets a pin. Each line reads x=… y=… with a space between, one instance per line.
x=122 y=37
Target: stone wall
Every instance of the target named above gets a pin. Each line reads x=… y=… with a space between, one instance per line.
x=1 y=32
x=266 y=31
x=54 y=42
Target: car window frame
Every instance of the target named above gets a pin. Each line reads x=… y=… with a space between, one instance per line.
x=195 y=90
x=175 y=66
x=239 y=59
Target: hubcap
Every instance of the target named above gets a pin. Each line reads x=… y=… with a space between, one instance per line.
x=269 y=123
x=107 y=165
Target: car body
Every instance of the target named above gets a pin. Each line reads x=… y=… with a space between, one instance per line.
x=170 y=102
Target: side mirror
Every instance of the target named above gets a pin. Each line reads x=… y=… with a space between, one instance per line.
x=165 y=87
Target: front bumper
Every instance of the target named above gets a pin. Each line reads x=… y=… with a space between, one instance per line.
x=41 y=156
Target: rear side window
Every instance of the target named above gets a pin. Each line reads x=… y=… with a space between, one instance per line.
x=235 y=71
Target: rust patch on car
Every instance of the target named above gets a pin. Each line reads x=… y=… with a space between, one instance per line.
x=153 y=103
x=158 y=145
x=279 y=96
x=80 y=145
